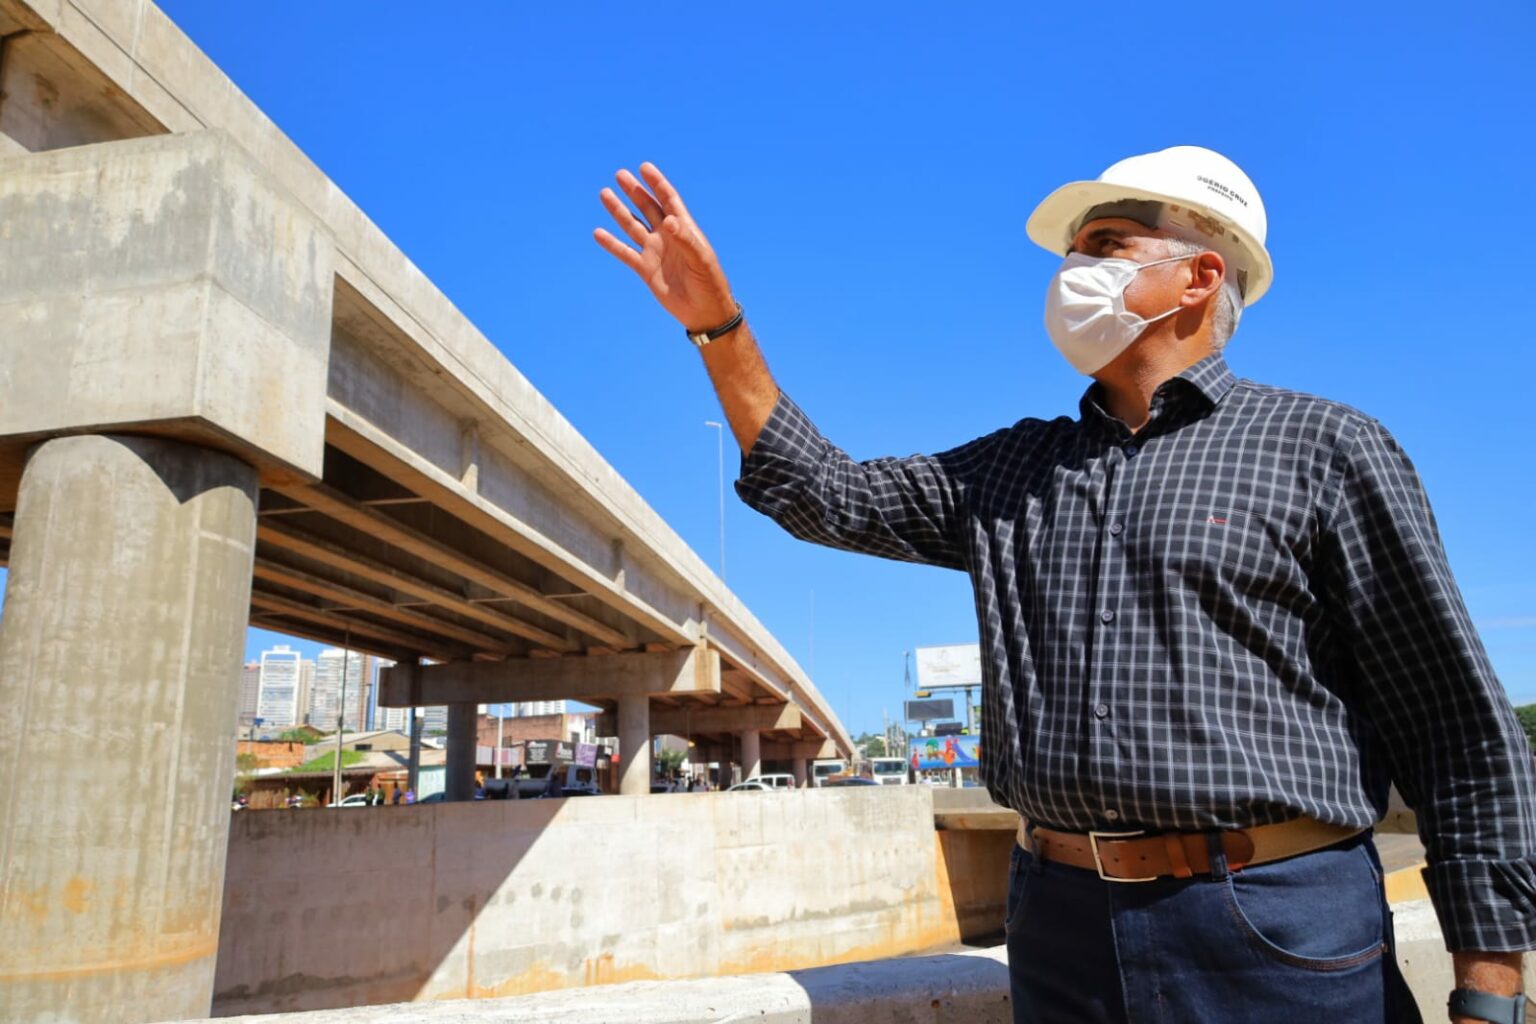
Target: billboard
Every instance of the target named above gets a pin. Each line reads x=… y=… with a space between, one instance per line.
x=929 y=710
x=955 y=665
x=938 y=752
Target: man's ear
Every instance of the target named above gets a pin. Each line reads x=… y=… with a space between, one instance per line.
x=1209 y=271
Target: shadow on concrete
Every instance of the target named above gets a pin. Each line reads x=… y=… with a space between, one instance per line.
x=307 y=935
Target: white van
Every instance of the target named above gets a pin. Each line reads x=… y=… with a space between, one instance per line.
x=776 y=781
x=889 y=771
x=825 y=769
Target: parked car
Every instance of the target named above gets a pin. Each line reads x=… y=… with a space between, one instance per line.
x=355 y=800
x=776 y=780
x=848 y=781
x=751 y=786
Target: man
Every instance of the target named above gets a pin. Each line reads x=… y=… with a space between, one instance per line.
x=1217 y=624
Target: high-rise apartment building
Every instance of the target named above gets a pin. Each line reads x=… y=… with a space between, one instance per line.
x=380 y=717
x=434 y=719
x=250 y=692
x=281 y=678
x=328 y=692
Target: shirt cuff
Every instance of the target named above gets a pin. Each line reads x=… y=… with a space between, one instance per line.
x=1485 y=905
x=788 y=441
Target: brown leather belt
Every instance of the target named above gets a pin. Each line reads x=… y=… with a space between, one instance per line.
x=1143 y=857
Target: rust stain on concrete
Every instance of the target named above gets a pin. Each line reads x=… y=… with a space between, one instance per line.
x=76 y=891
x=150 y=961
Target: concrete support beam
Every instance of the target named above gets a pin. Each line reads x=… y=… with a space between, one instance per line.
x=751 y=754
x=168 y=285
x=634 y=745
x=640 y=674
x=809 y=749
x=459 y=782
x=685 y=722
x=120 y=652
x=801 y=767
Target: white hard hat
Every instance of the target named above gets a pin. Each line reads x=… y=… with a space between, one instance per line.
x=1201 y=194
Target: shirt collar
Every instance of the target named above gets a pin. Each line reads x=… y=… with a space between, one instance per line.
x=1209 y=380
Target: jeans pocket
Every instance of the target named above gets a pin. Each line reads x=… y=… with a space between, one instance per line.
x=1321 y=911
x=1018 y=883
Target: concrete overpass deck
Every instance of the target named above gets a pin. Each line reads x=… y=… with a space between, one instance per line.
x=229 y=399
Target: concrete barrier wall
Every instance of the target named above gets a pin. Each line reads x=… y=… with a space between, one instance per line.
x=358 y=906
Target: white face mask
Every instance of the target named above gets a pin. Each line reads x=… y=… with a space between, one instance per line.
x=1085 y=312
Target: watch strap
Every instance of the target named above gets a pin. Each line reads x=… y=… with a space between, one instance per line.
x=1466 y=1002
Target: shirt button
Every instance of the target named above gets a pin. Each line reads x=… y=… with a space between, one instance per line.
x=1130 y=451
x=1112 y=814
x=1106 y=616
x=1101 y=711
x=1116 y=529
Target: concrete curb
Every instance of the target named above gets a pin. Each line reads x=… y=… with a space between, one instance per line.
x=969 y=987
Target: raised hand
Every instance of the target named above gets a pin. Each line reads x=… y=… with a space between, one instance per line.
x=674 y=258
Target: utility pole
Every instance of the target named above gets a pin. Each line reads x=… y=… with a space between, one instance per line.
x=501 y=716
x=341 y=718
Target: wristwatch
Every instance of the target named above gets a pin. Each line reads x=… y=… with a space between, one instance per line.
x=1466 y=1002
x=703 y=338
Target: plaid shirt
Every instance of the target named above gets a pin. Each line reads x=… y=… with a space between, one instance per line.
x=1238 y=615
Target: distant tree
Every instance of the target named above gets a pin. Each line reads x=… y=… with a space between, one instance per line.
x=874 y=747
x=671 y=762
x=245 y=767
x=1526 y=713
x=301 y=734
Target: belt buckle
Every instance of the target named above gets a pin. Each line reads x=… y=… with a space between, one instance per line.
x=1098 y=862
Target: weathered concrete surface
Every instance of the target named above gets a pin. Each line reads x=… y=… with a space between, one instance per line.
x=491 y=899
x=163 y=285
x=413 y=391
x=970 y=987
x=120 y=651
x=691 y=671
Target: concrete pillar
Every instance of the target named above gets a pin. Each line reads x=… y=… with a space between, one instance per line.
x=802 y=773
x=463 y=733
x=751 y=754
x=120 y=652
x=634 y=746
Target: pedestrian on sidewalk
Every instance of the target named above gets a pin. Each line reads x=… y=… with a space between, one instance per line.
x=1217 y=624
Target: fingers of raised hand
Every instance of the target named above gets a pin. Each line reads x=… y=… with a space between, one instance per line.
x=641 y=197
x=626 y=219
x=671 y=202
x=622 y=252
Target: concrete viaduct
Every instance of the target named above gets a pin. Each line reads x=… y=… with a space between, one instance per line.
x=227 y=398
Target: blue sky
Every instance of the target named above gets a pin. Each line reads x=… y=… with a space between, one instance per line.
x=865 y=171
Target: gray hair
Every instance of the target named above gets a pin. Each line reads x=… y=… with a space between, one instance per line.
x=1229 y=303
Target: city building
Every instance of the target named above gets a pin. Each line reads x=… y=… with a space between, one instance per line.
x=250 y=692
x=434 y=719
x=306 y=685
x=281 y=675
x=324 y=699
x=398 y=719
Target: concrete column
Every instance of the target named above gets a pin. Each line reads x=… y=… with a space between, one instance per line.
x=802 y=774
x=120 y=654
x=751 y=754
x=459 y=780
x=634 y=746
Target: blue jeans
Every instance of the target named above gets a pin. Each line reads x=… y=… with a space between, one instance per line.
x=1307 y=940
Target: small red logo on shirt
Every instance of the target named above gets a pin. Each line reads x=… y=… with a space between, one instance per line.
x=1217 y=520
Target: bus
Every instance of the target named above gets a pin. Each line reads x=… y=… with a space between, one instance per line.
x=823 y=769
x=889 y=771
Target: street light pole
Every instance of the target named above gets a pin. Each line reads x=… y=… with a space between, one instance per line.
x=720 y=446
x=341 y=719
x=501 y=716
